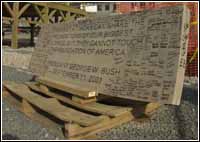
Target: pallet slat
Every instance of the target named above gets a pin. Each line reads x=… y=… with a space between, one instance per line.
x=73 y=131
x=82 y=100
x=41 y=104
x=76 y=90
x=33 y=115
x=52 y=106
x=94 y=107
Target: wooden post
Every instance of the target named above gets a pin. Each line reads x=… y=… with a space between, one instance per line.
x=14 y=42
x=32 y=32
x=46 y=15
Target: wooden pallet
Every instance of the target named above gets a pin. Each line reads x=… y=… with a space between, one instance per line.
x=78 y=120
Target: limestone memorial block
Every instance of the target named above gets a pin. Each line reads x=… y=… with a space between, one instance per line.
x=139 y=56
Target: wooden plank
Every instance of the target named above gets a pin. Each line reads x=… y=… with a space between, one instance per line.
x=52 y=106
x=108 y=109
x=95 y=107
x=91 y=137
x=151 y=107
x=29 y=111
x=27 y=108
x=43 y=87
x=70 y=88
x=73 y=131
x=83 y=101
x=140 y=108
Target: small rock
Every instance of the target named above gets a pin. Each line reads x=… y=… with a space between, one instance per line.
x=46 y=135
x=43 y=130
x=57 y=138
x=7 y=109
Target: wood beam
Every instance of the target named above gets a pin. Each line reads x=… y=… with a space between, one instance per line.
x=58 y=6
x=9 y=9
x=69 y=18
x=62 y=15
x=46 y=15
x=52 y=13
x=23 y=9
x=43 y=14
x=38 y=11
x=14 y=42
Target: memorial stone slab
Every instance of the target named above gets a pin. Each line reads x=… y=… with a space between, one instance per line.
x=139 y=56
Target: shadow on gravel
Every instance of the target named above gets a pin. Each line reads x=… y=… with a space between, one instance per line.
x=9 y=137
x=190 y=94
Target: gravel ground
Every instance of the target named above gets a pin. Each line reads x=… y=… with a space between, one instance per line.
x=168 y=122
x=15 y=123
x=9 y=73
